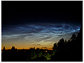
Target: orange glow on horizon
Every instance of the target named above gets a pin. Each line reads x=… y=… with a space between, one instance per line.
x=28 y=48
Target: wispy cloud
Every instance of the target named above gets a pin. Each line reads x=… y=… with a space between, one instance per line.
x=38 y=44
x=44 y=47
x=39 y=32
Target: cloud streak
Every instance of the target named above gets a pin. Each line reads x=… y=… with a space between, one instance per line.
x=39 y=32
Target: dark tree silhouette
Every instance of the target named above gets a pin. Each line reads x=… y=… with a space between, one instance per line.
x=70 y=50
x=4 y=49
x=13 y=48
x=73 y=37
x=61 y=45
x=55 y=46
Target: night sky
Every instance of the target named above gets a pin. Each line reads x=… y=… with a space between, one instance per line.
x=36 y=24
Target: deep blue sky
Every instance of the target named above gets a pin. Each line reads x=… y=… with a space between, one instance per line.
x=44 y=23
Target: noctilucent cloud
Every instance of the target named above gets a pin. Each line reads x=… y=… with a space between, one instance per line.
x=37 y=35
